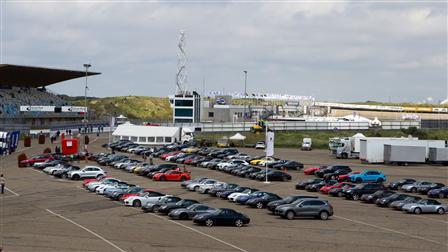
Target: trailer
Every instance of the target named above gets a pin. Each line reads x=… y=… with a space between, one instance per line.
x=438 y=156
x=372 y=149
x=404 y=154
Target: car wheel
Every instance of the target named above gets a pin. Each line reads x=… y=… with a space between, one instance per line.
x=441 y=211
x=137 y=203
x=356 y=197
x=441 y=195
x=285 y=179
x=380 y=180
x=414 y=190
x=99 y=176
x=209 y=223
x=333 y=177
x=290 y=215
x=183 y=179
x=76 y=177
x=196 y=188
x=206 y=191
x=155 y=209
x=340 y=194
x=183 y=216
x=358 y=180
x=259 y=205
x=162 y=178
x=417 y=210
x=239 y=223
x=64 y=176
x=323 y=215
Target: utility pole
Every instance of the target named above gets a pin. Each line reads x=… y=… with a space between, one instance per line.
x=87 y=66
x=244 y=100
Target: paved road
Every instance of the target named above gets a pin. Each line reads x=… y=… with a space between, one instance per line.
x=42 y=213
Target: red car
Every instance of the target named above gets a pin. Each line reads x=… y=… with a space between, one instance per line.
x=172 y=175
x=127 y=195
x=327 y=188
x=36 y=159
x=164 y=156
x=85 y=182
x=312 y=170
x=346 y=177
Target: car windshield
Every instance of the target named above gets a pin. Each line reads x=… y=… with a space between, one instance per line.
x=311 y=180
x=246 y=191
x=289 y=199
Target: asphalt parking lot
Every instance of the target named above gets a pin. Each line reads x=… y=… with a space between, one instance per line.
x=41 y=213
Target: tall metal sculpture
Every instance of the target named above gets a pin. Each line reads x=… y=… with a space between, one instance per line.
x=181 y=75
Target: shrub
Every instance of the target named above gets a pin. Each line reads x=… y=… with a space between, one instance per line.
x=20 y=158
x=27 y=141
x=41 y=139
x=47 y=150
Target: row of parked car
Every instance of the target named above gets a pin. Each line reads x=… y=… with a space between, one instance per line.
x=376 y=193
x=289 y=207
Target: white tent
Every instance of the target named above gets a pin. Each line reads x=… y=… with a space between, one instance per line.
x=237 y=136
x=359 y=135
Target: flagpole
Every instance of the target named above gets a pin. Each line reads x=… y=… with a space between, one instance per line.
x=267 y=141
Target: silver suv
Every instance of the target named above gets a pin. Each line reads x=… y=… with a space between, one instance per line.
x=87 y=172
x=316 y=208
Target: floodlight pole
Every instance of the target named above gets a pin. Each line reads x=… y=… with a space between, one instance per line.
x=244 y=100
x=87 y=66
x=266 y=153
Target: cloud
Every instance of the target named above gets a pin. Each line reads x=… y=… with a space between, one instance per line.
x=334 y=51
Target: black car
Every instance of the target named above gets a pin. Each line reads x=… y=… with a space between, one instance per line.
x=425 y=189
x=356 y=192
x=62 y=173
x=288 y=200
x=333 y=175
x=340 y=192
x=274 y=176
x=262 y=202
x=276 y=162
x=215 y=190
x=247 y=172
x=371 y=198
x=302 y=184
x=222 y=216
x=290 y=165
x=396 y=185
x=166 y=208
x=330 y=169
x=316 y=187
x=385 y=202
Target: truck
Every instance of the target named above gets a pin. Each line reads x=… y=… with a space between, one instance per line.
x=349 y=147
x=306 y=144
x=333 y=144
x=9 y=141
x=404 y=154
x=438 y=155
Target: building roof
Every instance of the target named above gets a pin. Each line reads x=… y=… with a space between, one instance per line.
x=30 y=76
x=128 y=129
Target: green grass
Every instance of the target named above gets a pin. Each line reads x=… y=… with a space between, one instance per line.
x=292 y=139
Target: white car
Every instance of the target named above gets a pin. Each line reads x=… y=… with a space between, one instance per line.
x=93 y=185
x=143 y=199
x=233 y=196
x=231 y=162
x=51 y=169
x=260 y=145
x=87 y=172
x=195 y=186
x=238 y=156
x=101 y=188
x=204 y=188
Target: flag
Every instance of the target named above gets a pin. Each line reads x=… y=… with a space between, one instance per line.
x=270 y=144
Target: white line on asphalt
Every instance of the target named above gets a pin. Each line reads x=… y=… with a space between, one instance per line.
x=9 y=196
x=202 y=233
x=86 y=229
x=11 y=191
x=35 y=170
x=390 y=230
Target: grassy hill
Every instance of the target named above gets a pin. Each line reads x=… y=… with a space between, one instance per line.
x=142 y=108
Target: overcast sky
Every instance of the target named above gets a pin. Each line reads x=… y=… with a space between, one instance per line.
x=334 y=51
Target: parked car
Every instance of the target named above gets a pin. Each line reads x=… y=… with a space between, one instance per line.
x=195 y=180
x=172 y=175
x=222 y=216
x=154 y=205
x=302 y=184
x=414 y=186
x=368 y=176
x=223 y=187
x=195 y=186
x=166 y=208
x=385 y=202
x=36 y=159
x=335 y=174
x=316 y=187
x=260 y=145
x=143 y=199
x=398 y=205
x=189 y=212
x=356 y=192
x=425 y=206
x=424 y=189
x=316 y=208
x=340 y=192
x=326 y=188
x=440 y=192
x=372 y=197
x=329 y=169
x=86 y=172
x=274 y=176
x=289 y=165
x=262 y=202
x=312 y=170
x=396 y=185
x=287 y=200
x=225 y=194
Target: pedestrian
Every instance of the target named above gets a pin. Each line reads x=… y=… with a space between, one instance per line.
x=144 y=157
x=2 y=184
x=151 y=161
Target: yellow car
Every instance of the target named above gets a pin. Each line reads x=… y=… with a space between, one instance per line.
x=190 y=150
x=257 y=161
x=137 y=169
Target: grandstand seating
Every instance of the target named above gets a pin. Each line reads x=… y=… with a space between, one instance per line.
x=12 y=98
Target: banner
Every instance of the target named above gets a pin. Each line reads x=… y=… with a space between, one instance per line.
x=74 y=109
x=270 y=144
x=112 y=123
x=37 y=108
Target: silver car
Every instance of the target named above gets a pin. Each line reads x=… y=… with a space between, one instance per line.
x=414 y=186
x=306 y=208
x=425 y=206
x=398 y=205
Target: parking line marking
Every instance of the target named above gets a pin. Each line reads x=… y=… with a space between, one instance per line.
x=390 y=230
x=199 y=232
x=86 y=229
x=31 y=169
x=11 y=191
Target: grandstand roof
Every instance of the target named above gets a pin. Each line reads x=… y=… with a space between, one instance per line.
x=30 y=76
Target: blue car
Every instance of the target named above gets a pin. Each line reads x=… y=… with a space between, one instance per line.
x=243 y=198
x=440 y=193
x=368 y=176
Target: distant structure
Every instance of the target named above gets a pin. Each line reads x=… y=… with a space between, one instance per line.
x=186 y=105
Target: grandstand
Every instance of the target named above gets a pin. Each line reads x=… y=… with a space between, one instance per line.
x=26 y=104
